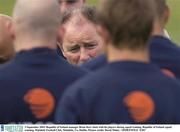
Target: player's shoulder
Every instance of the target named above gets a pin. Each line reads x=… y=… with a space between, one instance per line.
x=64 y=66
x=92 y=82
x=163 y=43
x=168 y=81
x=95 y=63
x=7 y=69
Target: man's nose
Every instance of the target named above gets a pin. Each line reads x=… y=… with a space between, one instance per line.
x=84 y=56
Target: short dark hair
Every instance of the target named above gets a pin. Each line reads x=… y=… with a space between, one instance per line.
x=129 y=22
x=89 y=12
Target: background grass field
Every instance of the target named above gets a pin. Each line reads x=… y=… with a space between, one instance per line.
x=173 y=26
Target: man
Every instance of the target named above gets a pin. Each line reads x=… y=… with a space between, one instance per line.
x=33 y=81
x=163 y=51
x=69 y=4
x=129 y=89
x=6 y=39
x=80 y=39
x=66 y=5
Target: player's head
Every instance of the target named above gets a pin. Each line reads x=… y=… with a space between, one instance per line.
x=80 y=39
x=6 y=39
x=69 y=4
x=128 y=22
x=36 y=20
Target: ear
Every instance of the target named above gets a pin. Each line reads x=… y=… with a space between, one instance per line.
x=62 y=50
x=11 y=29
x=8 y=25
x=166 y=15
x=61 y=32
x=60 y=39
x=104 y=34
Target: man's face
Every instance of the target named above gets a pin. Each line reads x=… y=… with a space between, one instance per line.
x=81 y=43
x=68 y=4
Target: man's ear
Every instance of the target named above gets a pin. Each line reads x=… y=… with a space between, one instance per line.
x=11 y=28
x=104 y=34
x=166 y=15
x=61 y=32
x=61 y=49
x=60 y=39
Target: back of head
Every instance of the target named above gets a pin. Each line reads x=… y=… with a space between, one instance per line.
x=6 y=39
x=128 y=22
x=38 y=18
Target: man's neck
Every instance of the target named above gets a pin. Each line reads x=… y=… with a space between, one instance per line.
x=158 y=29
x=28 y=44
x=115 y=54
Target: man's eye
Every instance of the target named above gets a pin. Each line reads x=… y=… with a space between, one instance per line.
x=67 y=1
x=74 y=49
x=71 y=1
x=90 y=46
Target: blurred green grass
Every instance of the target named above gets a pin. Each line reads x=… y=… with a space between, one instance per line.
x=173 y=26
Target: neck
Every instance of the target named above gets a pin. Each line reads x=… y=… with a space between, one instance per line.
x=158 y=29
x=114 y=54
x=28 y=44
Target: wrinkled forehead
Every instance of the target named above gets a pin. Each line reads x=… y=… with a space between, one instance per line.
x=78 y=20
x=79 y=25
x=81 y=34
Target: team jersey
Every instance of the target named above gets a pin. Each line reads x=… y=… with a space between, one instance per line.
x=163 y=52
x=95 y=63
x=166 y=55
x=32 y=83
x=122 y=92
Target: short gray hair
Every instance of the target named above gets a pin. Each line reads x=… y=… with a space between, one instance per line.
x=88 y=12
